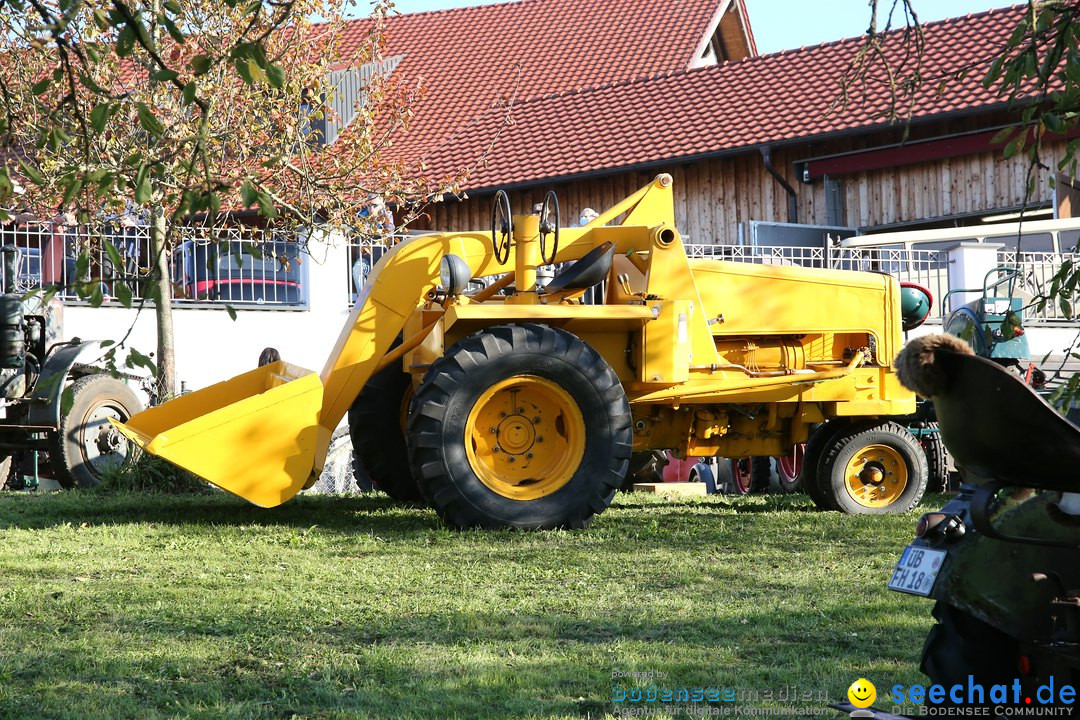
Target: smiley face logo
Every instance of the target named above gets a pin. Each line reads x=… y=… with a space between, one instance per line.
x=862 y=693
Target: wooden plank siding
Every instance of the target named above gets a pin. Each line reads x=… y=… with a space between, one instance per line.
x=713 y=196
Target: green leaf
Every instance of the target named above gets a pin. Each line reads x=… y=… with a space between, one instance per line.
x=123 y=293
x=1002 y=135
x=1054 y=123
x=41 y=86
x=125 y=42
x=100 y=115
x=231 y=311
x=97 y=296
x=170 y=27
x=114 y=255
x=266 y=206
x=275 y=75
x=165 y=75
x=242 y=70
x=188 y=95
x=67 y=399
x=149 y=122
x=31 y=173
x=73 y=187
x=82 y=264
x=200 y=64
x=143 y=189
x=248 y=194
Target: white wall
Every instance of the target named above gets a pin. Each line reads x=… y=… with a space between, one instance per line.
x=211 y=347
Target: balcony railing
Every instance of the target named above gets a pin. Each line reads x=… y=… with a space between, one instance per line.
x=229 y=266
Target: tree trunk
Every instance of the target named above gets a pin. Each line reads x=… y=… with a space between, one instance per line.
x=166 y=340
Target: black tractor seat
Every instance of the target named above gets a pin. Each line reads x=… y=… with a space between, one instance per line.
x=590 y=270
x=993 y=423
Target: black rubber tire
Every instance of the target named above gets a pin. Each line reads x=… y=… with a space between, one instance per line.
x=378 y=441
x=68 y=446
x=937 y=460
x=843 y=446
x=793 y=483
x=819 y=439
x=645 y=467
x=451 y=388
x=960 y=645
x=760 y=474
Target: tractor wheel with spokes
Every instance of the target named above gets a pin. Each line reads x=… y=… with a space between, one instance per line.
x=521 y=426
x=86 y=446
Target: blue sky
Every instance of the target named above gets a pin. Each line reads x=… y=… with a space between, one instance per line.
x=782 y=24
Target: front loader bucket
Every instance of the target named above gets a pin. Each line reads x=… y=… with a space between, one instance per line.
x=254 y=435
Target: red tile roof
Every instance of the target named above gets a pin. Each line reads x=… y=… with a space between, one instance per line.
x=607 y=90
x=472 y=58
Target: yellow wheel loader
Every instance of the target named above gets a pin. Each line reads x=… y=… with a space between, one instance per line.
x=520 y=404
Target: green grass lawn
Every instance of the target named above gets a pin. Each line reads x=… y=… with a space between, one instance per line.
x=153 y=606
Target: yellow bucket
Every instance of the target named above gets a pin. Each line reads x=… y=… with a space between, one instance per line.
x=254 y=435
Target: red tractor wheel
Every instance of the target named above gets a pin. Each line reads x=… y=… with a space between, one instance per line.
x=789 y=469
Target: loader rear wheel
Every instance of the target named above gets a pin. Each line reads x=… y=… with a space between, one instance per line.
x=520 y=426
x=875 y=470
x=85 y=445
x=377 y=422
x=937 y=459
x=820 y=439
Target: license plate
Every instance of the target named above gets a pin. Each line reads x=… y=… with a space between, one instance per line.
x=916 y=571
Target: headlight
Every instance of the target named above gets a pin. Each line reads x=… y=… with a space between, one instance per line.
x=454 y=274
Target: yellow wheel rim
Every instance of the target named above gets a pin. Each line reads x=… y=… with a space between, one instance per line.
x=525 y=437
x=876 y=476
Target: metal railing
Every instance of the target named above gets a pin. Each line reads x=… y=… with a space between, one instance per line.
x=228 y=266
x=928 y=268
x=1035 y=275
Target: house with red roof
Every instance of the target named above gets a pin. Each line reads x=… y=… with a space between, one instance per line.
x=591 y=100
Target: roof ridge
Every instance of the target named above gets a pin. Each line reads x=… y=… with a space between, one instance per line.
x=892 y=31
x=462 y=9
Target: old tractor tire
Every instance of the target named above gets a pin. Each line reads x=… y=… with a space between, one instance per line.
x=872 y=470
x=750 y=475
x=521 y=426
x=960 y=645
x=819 y=439
x=377 y=421
x=937 y=460
x=85 y=446
x=789 y=469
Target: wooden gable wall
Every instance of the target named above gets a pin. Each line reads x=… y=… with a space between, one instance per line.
x=714 y=196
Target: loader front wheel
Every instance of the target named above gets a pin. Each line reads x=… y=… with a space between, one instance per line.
x=875 y=470
x=85 y=445
x=377 y=427
x=520 y=426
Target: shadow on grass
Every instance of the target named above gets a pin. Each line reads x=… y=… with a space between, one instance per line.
x=345 y=513
x=444 y=665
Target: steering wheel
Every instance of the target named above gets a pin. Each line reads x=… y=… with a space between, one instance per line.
x=547 y=226
x=502 y=223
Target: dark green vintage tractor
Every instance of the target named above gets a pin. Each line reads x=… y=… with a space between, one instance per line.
x=1001 y=560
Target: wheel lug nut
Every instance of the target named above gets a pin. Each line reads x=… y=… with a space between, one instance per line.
x=539 y=438
x=528 y=456
x=536 y=421
x=521 y=409
x=513 y=459
x=502 y=414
